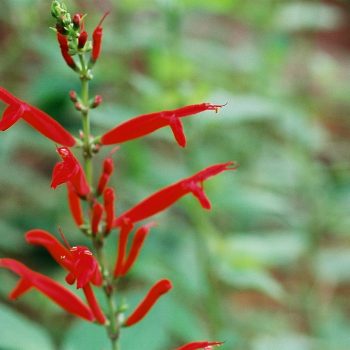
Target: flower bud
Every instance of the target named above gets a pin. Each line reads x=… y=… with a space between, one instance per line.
x=55 y=9
x=73 y=96
x=78 y=106
x=96 y=102
x=61 y=29
x=76 y=21
x=82 y=39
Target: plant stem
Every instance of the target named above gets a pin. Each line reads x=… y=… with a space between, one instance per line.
x=112 y=327
x=86 y=120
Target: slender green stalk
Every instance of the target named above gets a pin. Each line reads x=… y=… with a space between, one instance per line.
x=84 y=77
x=112 y=326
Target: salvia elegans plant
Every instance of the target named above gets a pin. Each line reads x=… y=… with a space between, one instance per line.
x=86 y=267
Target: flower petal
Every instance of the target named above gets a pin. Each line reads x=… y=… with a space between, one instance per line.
x=11 y=115
x=136 y=245
x=48 y=126
x=147 y=123
x=169 y=195
x=70 y=170
x=160 y=288
x=38 y=119
x=60 y=253
x=54 y=291
x=206 y=345
x=74 y=205
x=125 y=230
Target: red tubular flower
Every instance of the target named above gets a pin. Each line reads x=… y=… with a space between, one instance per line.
x=169 y=195
x=206 y=345
x=85 y=267
x=160 y=288
x=139 y=238
x=38 y=119
x=63 y=42
x=82 y=39
x=147 y=123
x=74 y=205
x=108 y=201
x=97 y=212
x=106 y=174
x=90 y=297
x=57 y=293
x=70 y=170
x=79 y=261
x=123 y=240
x=97 y=40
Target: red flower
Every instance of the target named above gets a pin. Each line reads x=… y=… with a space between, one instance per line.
x=38 y=119
x=136 y=245
x=108 y=202
x=126 y=228
x=74 y=205
x=57 y=293
x=97 y=40
x=169 y=195
x=206 y=345
x=123 y=263
x=97 y=212
x=160 y=288
x=70 y=170
x=106 y=174
x=80 y=263
x=83 y=36
x=147 y=123
x=63 y=42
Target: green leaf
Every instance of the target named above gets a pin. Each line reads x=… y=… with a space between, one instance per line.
x=250 y=279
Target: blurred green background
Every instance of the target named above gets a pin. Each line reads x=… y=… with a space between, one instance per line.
x=268 y=268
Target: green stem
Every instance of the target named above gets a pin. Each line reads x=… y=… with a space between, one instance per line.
x=86 y=120
x=112 y=327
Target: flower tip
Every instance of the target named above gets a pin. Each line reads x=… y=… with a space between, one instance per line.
x=215 y=107
x=103 y=18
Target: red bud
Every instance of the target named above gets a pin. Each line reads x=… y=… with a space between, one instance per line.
x=82 y=39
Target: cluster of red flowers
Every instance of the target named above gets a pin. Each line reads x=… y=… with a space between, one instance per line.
x=81 y=265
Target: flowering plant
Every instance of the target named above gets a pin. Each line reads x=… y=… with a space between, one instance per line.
x=92 y=203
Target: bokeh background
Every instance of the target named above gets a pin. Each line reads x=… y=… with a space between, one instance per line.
x=268 y=268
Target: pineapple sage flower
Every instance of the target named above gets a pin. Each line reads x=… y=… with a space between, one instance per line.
x=82 y=268
x=39 y=120
x=92 y=201
x=147 y=123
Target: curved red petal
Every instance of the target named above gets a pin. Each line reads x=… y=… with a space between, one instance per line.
x=59 y=252
x=10 y=116
x=169 y=195
x=199 y=345
x=158 y=289
x=147 y=123
x=54 y=291
x=48 y=126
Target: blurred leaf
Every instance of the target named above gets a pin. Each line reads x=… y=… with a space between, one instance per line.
x=88 y=336
x=284 y=342
x=298 y=15
x=250 y=279
x=20 y=333
x=333 y=265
